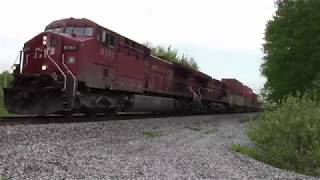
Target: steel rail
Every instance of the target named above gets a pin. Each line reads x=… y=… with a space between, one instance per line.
x=79 y=118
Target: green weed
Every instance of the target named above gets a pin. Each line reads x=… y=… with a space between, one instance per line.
x=151 y=133
x=288 y=136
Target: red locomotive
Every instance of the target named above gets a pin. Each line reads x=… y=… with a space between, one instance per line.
x=75 y=65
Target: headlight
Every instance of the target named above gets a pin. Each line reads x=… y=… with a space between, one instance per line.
x=71 y=60
x=14 y=67
x=44 y=40
x=44 y=67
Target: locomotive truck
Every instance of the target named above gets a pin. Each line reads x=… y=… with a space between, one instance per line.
x=76 y=65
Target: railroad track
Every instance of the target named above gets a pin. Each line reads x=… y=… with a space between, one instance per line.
x=16 y=120
x=79 y=118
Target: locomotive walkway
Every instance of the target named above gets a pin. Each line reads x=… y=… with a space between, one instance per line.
x=192 y=147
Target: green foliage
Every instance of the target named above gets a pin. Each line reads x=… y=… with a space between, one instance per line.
x=151 y=133
x=171 y=55
x=194 y=128
x=5 y=80
x=3 y=178
x=292 y=48
x=264 y=97
x=210 y=131
x=288 y=136
x=250 y=151
x=2 y=110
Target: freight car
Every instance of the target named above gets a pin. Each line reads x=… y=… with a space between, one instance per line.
x=76 y=65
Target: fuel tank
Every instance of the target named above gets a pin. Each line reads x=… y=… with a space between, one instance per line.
x=141 y=103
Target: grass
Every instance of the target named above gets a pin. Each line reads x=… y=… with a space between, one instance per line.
x=251 y=119
x=250 y=151
x=287 y=136
x=210 y=131
x=196 y=126
x=151 y=133
x=3 y=112
x=193 y=128
x=5 y=80
x=3 y=178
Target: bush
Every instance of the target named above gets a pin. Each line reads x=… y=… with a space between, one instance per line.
x=3 y=178
x=171 y=55
x=3 y=112
x=5 y=80
x=288 y=136
x=251 y=151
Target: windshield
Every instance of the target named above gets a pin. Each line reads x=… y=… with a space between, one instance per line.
x=82 y=31
x=55 y=30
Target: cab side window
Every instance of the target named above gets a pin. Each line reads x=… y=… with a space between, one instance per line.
x=105 y=37
x=112 y=40
x=108 y=39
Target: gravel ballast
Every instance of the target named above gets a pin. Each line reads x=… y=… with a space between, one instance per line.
x=192 y=147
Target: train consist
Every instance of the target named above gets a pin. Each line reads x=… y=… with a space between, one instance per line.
x=76 y=65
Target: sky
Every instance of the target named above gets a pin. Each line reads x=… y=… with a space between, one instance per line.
x=224 y=36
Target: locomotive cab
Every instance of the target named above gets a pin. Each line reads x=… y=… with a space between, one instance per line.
x=45 y=80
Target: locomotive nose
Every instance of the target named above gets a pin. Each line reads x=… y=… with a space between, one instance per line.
x=41 y=55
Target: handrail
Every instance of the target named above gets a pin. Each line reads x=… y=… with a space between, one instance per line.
x=73 y=76
x=64 y=75
x=199 y=91
x=20 y=61
x=27 y=61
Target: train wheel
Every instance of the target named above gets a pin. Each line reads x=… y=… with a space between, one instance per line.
x=103 y=106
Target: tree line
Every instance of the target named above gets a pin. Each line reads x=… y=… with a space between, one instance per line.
x=170 y=54
x=288 y=131
x=291 y=60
